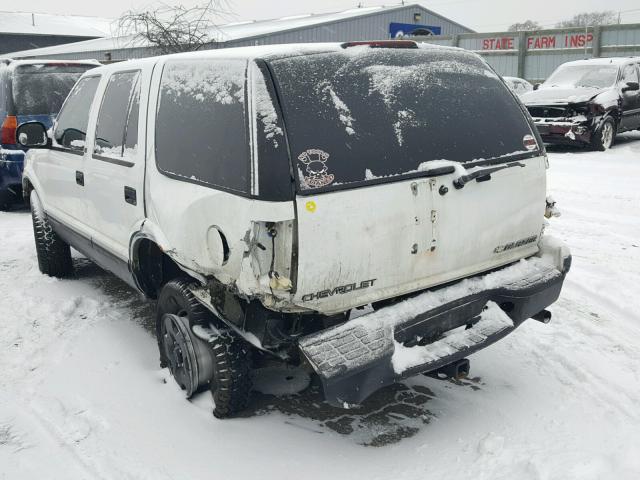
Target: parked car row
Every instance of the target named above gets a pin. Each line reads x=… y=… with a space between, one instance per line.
x=30 y=90
x=263 y=194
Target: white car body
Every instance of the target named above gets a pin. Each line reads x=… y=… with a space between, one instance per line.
x=181 y=218
x=322 y=253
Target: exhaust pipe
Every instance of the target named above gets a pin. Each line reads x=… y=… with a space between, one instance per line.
x=456 y=370
x=543 y=316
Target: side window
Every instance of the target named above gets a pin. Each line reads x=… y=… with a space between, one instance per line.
x=117 y=128
x=71 y=124
x=630 y=74
x=201 y=129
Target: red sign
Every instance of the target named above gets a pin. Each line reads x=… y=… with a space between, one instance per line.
x=500 y=43
x=574 y=40
x=577 y=40
x=540 y=42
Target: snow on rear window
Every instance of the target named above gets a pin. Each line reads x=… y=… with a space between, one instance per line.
x=328 y=94
x=379 y=113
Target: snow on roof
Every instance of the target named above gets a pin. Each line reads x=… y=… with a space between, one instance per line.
x=48 y=24
x=223 y=33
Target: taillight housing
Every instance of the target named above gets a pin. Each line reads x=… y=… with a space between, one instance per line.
x=8 y=130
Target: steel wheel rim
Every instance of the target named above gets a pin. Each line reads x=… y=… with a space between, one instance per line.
x=607 y=135
x=179 y=354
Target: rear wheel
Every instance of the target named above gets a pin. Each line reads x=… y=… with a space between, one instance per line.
x=54 y=255
x=605 y=135
x=231 y=385
x=222 y=363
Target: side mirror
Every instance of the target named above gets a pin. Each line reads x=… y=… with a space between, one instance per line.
x=536 y=86
x=630 y=87
x=32 y=135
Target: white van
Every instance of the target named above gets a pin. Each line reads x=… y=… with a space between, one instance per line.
x=266 y=195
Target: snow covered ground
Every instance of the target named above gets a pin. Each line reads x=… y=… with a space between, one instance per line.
x=82 y=397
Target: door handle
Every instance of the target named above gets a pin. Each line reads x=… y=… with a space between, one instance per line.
x=130 y=195
x=80 y=178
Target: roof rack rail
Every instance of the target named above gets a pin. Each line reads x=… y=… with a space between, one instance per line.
x=382 y=44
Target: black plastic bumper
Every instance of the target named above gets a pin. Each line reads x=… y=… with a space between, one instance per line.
x=355 y=359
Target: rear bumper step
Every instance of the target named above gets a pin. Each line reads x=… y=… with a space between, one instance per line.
x=433 y=329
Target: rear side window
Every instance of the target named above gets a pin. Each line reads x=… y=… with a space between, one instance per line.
x=71 y=124
x=365 y=114
x=117 y=129
x=201 y=129
x=41 y=89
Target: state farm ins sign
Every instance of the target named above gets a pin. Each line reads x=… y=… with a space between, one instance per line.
x=539 y=42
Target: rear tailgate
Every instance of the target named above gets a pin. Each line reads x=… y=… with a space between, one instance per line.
x=377 y=138
x=368 y=244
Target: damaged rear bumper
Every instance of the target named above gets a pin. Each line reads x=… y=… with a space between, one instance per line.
x=431 y=329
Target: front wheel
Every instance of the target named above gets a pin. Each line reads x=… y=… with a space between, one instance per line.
x=604 y=136
x=54 y=255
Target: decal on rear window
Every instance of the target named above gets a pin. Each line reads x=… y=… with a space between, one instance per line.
x=316 y=173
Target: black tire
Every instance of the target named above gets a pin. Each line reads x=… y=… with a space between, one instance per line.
x=600 y=140
x=176 y=298
x=231 y=357
x=231 y=385
x=54 y=255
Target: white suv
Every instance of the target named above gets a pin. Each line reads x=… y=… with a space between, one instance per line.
x=263 y=195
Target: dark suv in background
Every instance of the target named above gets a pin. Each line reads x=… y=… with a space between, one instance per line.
x=30 y=90
x=587 y=102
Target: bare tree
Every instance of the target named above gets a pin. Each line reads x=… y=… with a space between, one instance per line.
x=590 y=19
x=174 y=29
x=525 y=26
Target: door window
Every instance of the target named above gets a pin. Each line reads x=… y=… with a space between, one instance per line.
x=117 y=129
x=71 y=126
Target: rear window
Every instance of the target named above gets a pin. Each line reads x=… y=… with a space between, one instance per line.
x=364 y=114
x=41 y=89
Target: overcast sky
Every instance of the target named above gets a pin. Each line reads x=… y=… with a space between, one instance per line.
x=481 y=15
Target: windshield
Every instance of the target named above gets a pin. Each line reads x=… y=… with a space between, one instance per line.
x=571 y=76
x=364 y=114
x=41 y=89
